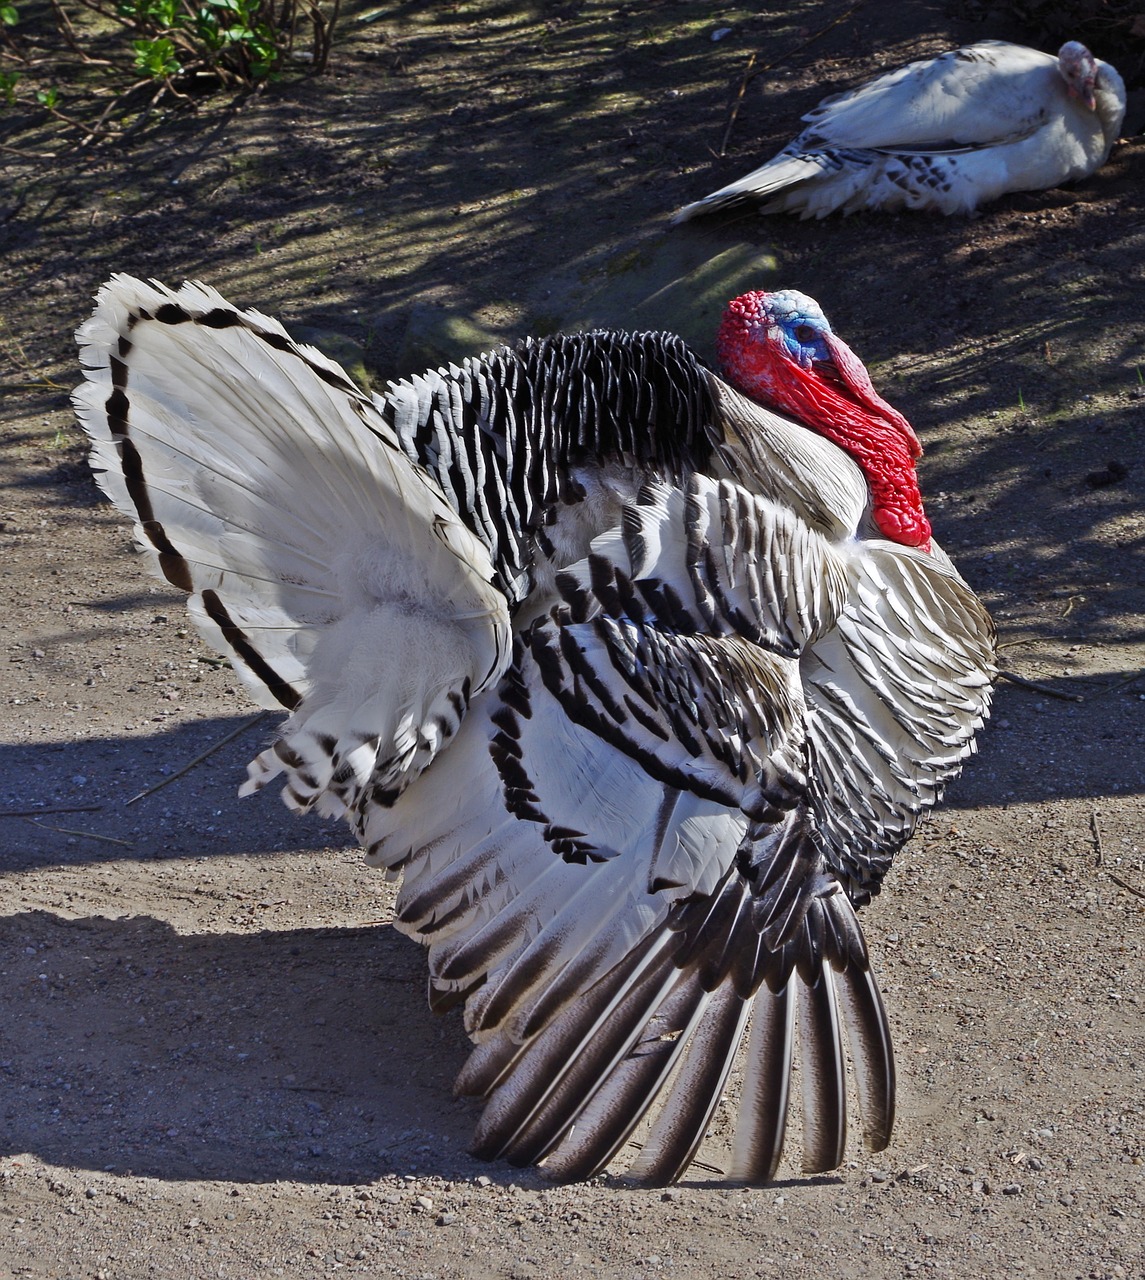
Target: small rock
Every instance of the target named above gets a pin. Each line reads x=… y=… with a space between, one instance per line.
x=424 y=1203
x=446 y=1220
x=1012 y=1189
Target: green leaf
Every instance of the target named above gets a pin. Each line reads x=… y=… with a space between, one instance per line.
x=9 y=15
x=156 y=58
x=159 y=14
x=48 y=97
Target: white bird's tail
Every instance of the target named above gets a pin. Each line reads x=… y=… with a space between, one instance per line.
x=318 y=558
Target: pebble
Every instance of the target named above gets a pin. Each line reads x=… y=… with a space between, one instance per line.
x=1012 y=1189
x=446 y=1220
x=424 y=1203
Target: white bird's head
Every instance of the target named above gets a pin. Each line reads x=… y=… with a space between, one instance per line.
x=1079 y=70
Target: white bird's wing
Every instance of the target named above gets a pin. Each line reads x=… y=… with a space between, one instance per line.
x=895 y=693
x=981 y=95
x=652 y=878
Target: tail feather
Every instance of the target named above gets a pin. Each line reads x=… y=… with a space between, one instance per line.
x=871 y=1054
x=776 y=175
x=583 y=1044
x=766 y=1092
x=822 y=1074
x=710 y=1045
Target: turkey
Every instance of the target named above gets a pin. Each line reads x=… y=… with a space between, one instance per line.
x=947 y=135
x=635 y=684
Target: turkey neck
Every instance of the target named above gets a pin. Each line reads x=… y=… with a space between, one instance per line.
x=1108 y=104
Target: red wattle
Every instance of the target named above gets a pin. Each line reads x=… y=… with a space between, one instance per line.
x=845 y=409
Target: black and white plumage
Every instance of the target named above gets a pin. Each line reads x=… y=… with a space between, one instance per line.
x=609 y=663
x=948 y=134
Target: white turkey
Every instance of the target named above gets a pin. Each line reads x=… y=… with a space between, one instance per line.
x=947 y=135
x=635 y=683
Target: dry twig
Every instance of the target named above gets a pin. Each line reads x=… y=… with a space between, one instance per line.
x=1040 y=688
x=40 y=813
x=1115 y=688
x=73 y=831
x=1126 y=885
x=1096 y=836
x=210 y=751
x=749 y=75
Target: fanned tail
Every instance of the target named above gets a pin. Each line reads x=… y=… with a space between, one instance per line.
x=326 y=566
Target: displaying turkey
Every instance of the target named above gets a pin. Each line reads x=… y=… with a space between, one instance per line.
x=947 y=135
x=635 y=683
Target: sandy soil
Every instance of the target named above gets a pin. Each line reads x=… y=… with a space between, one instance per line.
x=215 y=1058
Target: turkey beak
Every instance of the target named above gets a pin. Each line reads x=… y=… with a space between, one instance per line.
x=1084 y=92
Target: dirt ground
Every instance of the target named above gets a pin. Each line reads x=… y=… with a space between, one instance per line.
x=215 y=1057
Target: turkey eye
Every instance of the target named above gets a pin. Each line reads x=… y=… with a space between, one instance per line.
x=805 y=334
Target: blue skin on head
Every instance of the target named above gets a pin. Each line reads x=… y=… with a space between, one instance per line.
x=801 y=325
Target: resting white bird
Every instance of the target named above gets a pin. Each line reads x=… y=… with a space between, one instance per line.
x=947 y=135
x=636 y=684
